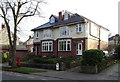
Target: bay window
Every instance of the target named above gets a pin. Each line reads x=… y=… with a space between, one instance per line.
x=47 y=46
x=64 y=45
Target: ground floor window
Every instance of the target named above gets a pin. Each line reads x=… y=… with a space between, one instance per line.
x=64 y=45
x=47 y=46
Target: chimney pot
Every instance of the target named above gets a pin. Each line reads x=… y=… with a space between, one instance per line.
x=3 y=26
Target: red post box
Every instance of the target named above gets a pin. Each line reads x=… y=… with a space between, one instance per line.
x=18 y=61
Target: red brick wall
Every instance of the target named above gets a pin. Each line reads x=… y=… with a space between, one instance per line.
x=61 y=53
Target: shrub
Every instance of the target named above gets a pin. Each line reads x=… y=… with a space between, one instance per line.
x=50 y=60
x=92 y=57
x=46 y=60
x=4 y=57
x=29 y=55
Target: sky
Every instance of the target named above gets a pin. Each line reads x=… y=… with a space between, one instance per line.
x=103 y=12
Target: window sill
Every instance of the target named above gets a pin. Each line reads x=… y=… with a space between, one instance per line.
x=47 y=51
x=79 y=32
x=64 y=51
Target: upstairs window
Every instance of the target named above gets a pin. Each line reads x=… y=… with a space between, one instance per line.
x=66 y=16
x=47 y=33
x=64 y=31
x=79 y=28
x=36 y=34
x=52 y=20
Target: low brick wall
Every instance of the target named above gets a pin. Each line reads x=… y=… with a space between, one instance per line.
x=88 y=69
x=45 y=66
x=62 y=66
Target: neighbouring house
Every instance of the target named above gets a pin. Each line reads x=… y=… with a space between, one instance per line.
x=68 y=35
x=29 y=44
x=4 y=40
x=113 y=42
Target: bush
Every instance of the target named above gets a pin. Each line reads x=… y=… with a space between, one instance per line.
x=4 y=57
x=117 y=52
x=50 y=60
x=92 y=57
x=46 y=60
x=29 y=55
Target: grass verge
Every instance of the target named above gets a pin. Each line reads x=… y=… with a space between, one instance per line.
x=22 y=70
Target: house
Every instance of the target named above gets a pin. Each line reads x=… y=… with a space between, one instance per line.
x=114 y=40
x=68 y=34
x=29 y=44
x=4 y=40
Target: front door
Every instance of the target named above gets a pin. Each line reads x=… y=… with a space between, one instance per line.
x=79 y=48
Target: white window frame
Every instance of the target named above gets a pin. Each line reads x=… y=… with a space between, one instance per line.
x=52 y=20
x=47 y=46
x=64 y=31
x=66 y=15
x=78 y=27
x=64 y=45
x=47 y=33
x=37 y=34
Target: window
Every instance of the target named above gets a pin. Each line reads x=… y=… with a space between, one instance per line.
x=47 y=33
x=64 y=31
x=64 y=45
x=47 y=46
x=66 y=15
x=52 y=19
x=36 y=33
x=79 y=28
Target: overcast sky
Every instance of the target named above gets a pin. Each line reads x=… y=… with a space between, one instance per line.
x=103 y=12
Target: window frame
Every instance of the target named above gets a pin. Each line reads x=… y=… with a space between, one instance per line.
x=47 y=46
x=64 y=31
x=37 y=34
x=47 y=33
x=78 y=27
x=52 y=19
x=64 y=45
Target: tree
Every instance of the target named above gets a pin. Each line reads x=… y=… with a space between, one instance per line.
x=13 y=12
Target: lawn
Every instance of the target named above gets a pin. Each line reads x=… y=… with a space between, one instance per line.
x=22 y=70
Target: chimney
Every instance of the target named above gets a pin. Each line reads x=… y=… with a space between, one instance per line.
x=2 y=26
x=60 y=15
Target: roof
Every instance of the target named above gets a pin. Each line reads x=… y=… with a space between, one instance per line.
x=75 y=18
x=112 y=37
x=19 y=47
x=95 y=23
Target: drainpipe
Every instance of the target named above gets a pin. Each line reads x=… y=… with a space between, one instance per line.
x=99 y=39
x=95 y=36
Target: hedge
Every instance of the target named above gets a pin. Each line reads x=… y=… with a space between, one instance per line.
x=92 y=57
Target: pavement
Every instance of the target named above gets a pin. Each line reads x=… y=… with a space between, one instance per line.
x=111 y=73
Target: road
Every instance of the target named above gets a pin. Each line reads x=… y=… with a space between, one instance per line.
x=19 y=76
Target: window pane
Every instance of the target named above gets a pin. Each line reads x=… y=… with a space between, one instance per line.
x=60 y=45
x=64 y=45
x=68 y=47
